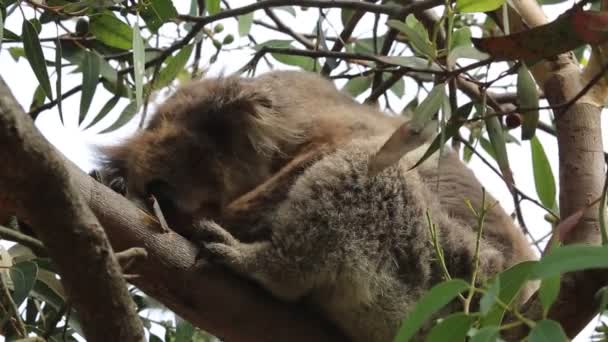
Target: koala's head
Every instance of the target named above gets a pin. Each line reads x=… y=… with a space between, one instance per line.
x=210 y=142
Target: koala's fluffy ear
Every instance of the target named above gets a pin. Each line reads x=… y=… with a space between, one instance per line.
x=113 y=162
x=241 y=106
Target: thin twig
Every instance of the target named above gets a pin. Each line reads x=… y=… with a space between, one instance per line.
x=32 y=243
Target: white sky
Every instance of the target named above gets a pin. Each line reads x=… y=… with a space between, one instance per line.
x=76 y=143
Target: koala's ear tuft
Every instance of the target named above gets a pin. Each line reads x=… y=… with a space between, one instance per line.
x=113 y=163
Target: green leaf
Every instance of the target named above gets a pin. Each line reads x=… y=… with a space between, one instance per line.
x=306 y=63
x=543 y=175
x=16 y=52
x=471 y=6
x=416 y=34
x=487 y=334
x=34 y=55
x=345 y=15
x=125 y=116
x=184 y=331
x=104 y=111
x=398 y=89
x=548 y=292
x=356 y=86
x=452 y=328
x=175 y=64
x=489 y=298
x=461 y=37
x=547 y=331
x=413 y=62
x=139 y=57
x=111 y=31
x=511 y=282
x=428 y=107
x=23 y=276
x=449 y=131
x=90 y=77
x=212 y=6
x=431 y=302
x=245 y=23
x=157 y=12
x=497 y=138
x=527 y=96
x=58 y=59
x=571 y=258
x=38 y=98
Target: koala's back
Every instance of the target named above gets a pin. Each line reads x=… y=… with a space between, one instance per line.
x=357 y=247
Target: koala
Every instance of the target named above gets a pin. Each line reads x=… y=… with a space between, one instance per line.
x=216 y=139
x=270 y=174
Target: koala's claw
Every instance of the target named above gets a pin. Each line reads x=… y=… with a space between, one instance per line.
x=218 y=244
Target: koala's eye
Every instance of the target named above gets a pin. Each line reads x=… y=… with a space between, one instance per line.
x=160 y=189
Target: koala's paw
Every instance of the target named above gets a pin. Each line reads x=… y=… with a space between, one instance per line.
x=218 y=245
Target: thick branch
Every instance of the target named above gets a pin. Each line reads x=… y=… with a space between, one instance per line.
x=34 y=180
x=581 y=166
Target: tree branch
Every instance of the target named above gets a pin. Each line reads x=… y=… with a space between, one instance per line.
x=46 y=197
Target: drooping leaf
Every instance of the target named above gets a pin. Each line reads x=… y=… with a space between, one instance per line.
x=497 y=139
x=245 y=23
x=489 y=298
x=23 y=276
x=472 y=6
x=38 y=98
x=413 y=62
x=486 y=334
x=125 y=116
x=429 y=106
x=111 y=31
x=306 y=63
x=451 y=328
x=139 y=57
x=58 y=59
x=35 y=57
x=104 y=111
x=415 y=33
x=511 y=282
x=527 y=95
x=449 y=131
x=543 y=175
x=90 y=77
x=212 y=6
x=547 y=331
x=398 y=89
x=548 y=291
x=157 y=12
x=356 y=86
x=174 y=65
x=184 y=331
x=432 y=301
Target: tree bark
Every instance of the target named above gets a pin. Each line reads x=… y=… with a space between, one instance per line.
x=35 y=182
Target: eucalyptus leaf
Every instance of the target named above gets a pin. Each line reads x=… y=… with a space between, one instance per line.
x=547 y=331
x=543 y=175
x=35 y=57
x=527 y=96
x=451 y=328
x=111 y=31
x=125 y=116
x=548 y=291
x=24 y=276
x=157 y=12
x=245 y=23
x=139 y=57
x=90 y=78
x=431 y=302
x=472 y=6
x=104 y=111
x=212 y=6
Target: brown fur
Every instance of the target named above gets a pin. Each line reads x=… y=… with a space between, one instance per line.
x=286 y=153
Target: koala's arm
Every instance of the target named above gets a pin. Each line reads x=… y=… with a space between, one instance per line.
x=266 y=196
